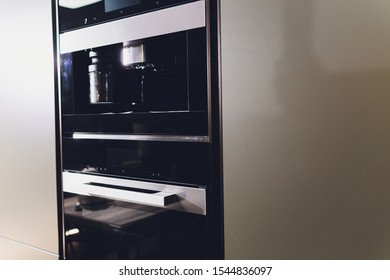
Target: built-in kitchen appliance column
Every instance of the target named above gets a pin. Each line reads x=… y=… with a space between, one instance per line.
x=137 y=131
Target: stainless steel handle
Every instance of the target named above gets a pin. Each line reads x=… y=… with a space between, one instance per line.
x=180 y=198
x=140 y=137
x=160 y=199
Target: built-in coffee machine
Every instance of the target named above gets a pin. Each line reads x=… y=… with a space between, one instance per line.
x=140 y=162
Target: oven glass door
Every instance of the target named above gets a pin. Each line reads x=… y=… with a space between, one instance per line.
x=181 y=163
x=98 y=228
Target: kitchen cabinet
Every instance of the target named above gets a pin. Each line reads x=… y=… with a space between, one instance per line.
x=28 y=187
x=306 y=129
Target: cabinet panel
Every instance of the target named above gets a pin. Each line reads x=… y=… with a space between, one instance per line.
x=306 y=129
x=28 y=209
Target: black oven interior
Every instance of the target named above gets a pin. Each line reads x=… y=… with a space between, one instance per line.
x=165 y=162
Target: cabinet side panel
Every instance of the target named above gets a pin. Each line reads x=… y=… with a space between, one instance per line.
x=12 y=250
x=306 y=126
x=28 y=210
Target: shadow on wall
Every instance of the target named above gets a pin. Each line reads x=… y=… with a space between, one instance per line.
x=323 y=162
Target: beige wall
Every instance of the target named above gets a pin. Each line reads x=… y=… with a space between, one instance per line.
x=28 y=211
x=306 y=95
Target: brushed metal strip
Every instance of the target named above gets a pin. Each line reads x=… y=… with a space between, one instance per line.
x=160 y=199
x=165 y=21
x=140 y=137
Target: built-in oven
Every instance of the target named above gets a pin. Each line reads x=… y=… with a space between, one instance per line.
x=136 y=129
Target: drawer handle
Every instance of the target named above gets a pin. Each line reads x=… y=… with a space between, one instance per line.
x=140 y=196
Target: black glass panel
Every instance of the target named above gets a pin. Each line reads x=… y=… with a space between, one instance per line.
x=104 y=229
x=175 y=123
x=172 y=77
x=181 y=163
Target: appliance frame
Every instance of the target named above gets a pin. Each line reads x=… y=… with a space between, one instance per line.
x=214 y=201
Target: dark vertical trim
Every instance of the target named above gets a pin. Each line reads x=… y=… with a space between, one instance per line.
x=58 y=137
x=218 y=89
x=215 y=195
x=209 y=72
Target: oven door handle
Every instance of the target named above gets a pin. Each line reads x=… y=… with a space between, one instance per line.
x=139 y=137
x=175 y=197
x=140 y=196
